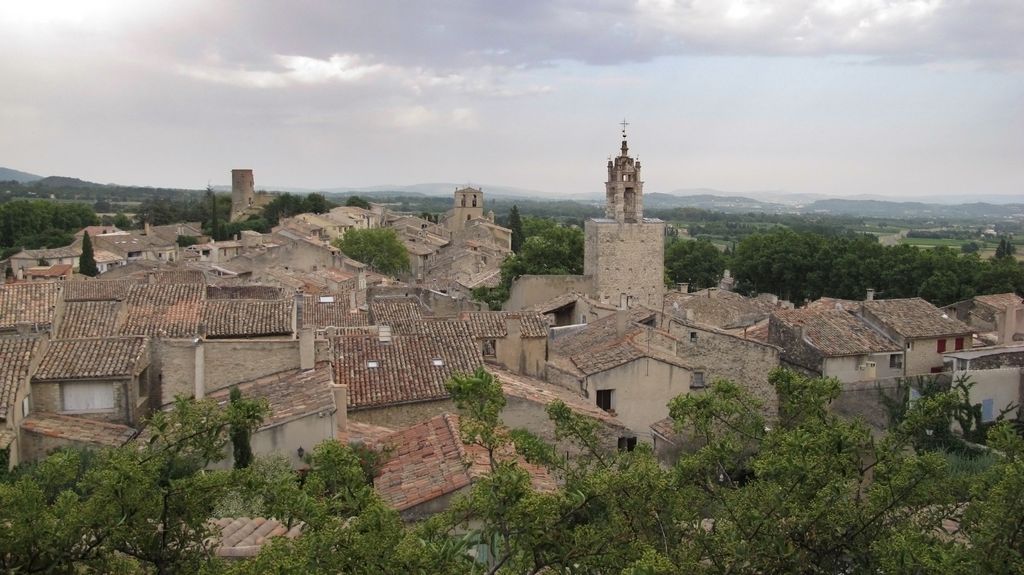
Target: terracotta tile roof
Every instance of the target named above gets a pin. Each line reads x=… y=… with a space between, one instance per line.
x=836 y=332
x=31 y=302
x=386 y=311
x=367 y=433
x=53 y=271
x=544 y=393
x=177 y=277
x=247 y=317
x=78 y=429
x=245 y=292
x=665 y=429
x=833 y=303
x=89 y=290
x=915 y=318
x=429 y=460
x=437 y=328
x=244 y=537
x=171 y=310
x=15 y=358
x=404 y=370
x=598 y=347
x=318 y=312
x=89 y=319
x=492 y=324
x=291 y=394
x=72 y=251
x=720 y=308
x=91 y=358
x=999 y=301
x=757 y=332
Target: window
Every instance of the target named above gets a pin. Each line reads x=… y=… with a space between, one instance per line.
x=896 y=361
x=958 y=344
x=87 y=396
x=463 y=201
x=326 y=299
x=627 y=443
x=910 y=345
x=693 y=336
x=437 y=362
x=940 y=346
x=697 y=381
x=604 y=399
x=936 y=370
x=988 y=410
x=372 y=363
x=474 y=201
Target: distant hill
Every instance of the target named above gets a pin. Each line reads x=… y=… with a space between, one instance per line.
x=9 y=175
x=65 y=182
x=711 y=202
x=885 y=209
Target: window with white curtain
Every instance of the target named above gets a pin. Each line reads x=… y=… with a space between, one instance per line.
x=87 y=396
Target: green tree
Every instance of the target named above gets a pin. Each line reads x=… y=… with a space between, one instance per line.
x=122 y=222
x=1005 y=248
x=515 y=223
x=87 y=261
x=245 y=416
x=378 y=248
x=698 y=263
x=358 y=202
x=317 y=203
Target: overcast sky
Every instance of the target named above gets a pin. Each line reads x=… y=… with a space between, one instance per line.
x=840 y=97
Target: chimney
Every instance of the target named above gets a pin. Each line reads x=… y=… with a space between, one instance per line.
x=200 y=371
x=340 y=393
x=623 y=300
x=513 y=326
x=684 y=287
x=297 y=319
x=147 y=229
x=361 y=279
x=1008 y=326
x=870 y=295
x=352 y=301
x=621 y=321
x=307 y=348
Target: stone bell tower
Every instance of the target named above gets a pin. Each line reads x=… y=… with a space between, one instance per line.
x=624 y=252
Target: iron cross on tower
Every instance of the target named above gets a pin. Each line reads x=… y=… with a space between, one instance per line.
x=623 y=123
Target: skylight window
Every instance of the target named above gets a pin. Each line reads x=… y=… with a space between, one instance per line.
x=326 y=299
x=438 y=362
x=372 y=363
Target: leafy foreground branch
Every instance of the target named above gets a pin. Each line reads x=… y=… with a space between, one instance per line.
x=804 y=492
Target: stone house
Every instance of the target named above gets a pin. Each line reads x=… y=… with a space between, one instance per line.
x=29 y=306
x=719 y=308
x=924 y=331
x=518 y=341
x=834 y=343
x=397 y=378
x=998 y=377
x=613 y=363
x=103 y=379
x=42 y=433
x=20 y=262
x=573 y=308
x=428 y=464
x=19 y=358
x=302 y=415
x=59 y=272
x=998 y=318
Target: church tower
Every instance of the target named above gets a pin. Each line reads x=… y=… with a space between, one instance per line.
x=624 y=252
x=469 y=205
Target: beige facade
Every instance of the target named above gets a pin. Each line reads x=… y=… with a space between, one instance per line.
x=626 y=261
x=640 y=391
x=469 y=205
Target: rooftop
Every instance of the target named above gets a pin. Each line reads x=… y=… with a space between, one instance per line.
x=494 y=324
x=915 y=318
x=835 y=332
x=82 y=290
x=999 y=301
x=402 y=368
x=247 y=317
x=89 y=319
x=109 y=357
x=78 y=429
x=385 y=311
x=244 y=536
x=327 y=310
x=15 y=358
x=170 y=310
x=430 y=460
x=290 y=394
x=244 y=292
x=31 y=302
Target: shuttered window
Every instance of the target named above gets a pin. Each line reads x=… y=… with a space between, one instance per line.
x=87 y=396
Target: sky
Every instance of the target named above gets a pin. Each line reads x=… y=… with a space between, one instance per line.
x=896 y=98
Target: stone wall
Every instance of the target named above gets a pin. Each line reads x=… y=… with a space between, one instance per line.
x=643 y=388
x=227 y=362
x=286 y=439
x=530 y=290
x=626 y=259
x=524 y=414
x=724 y=356
x=524 y=355
x=795 y=351
x=398 y=416
x=996 y=361
x=46 y=398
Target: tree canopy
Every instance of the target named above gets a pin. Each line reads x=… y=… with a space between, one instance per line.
x=698 y=263
x=87 y=261
x=378 y=248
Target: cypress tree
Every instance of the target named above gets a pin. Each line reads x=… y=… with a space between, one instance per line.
x=515 y=223
x=87 y=261
x=241 y=435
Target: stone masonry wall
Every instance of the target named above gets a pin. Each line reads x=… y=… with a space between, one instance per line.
x=398 y=416
x=626 y=259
